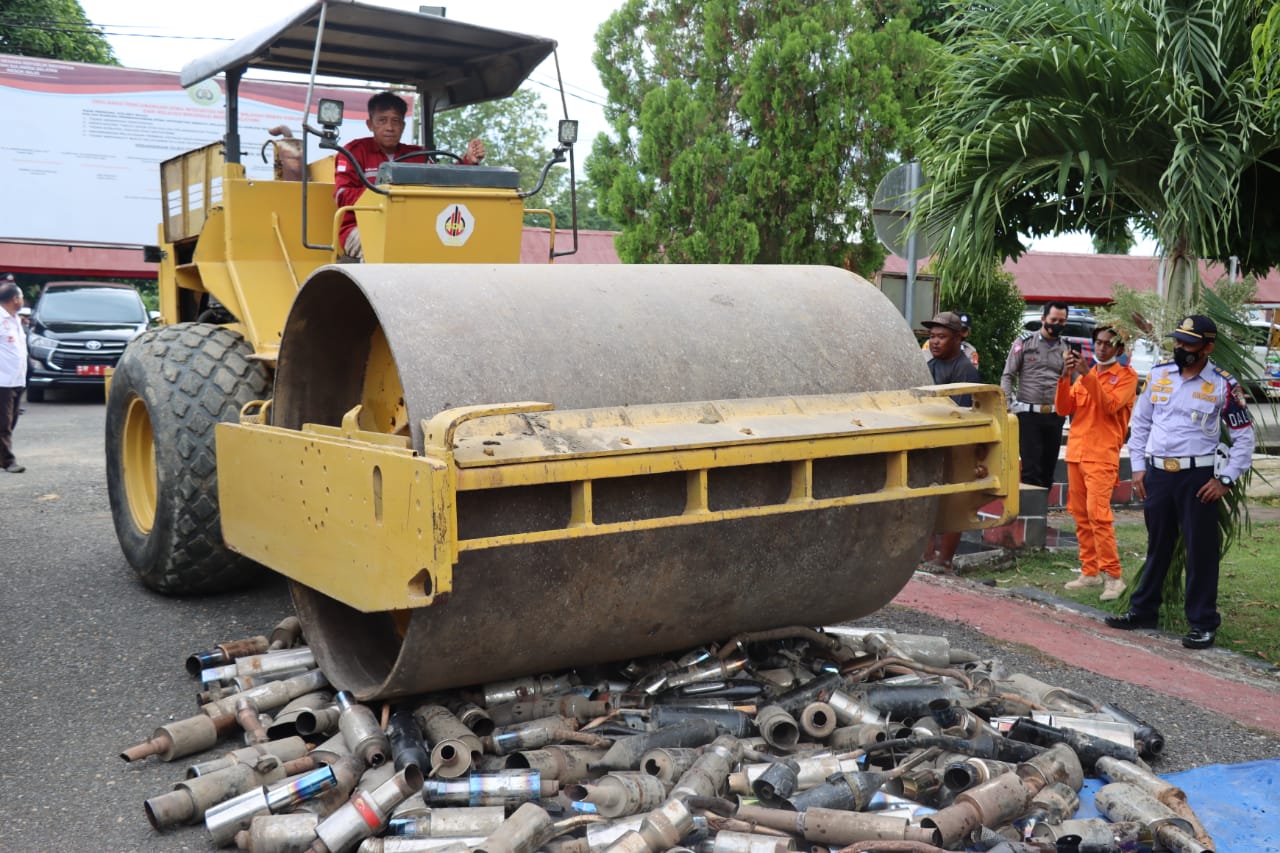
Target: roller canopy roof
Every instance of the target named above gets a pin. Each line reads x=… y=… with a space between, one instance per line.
x=452 y=62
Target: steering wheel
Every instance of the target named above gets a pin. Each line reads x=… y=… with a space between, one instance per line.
x=430 y=153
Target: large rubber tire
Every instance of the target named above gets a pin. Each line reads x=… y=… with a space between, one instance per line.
x=172 y=385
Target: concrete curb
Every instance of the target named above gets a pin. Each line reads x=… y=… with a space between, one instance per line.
x=1217 y=679
x=1258 y=668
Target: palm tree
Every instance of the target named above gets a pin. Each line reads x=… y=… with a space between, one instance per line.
x=1065 y=115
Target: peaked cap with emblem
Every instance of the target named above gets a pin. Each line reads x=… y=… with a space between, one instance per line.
x=1194 y=329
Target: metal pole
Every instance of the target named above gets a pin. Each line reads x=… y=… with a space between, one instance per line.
x=913 y=184
x=231 y=150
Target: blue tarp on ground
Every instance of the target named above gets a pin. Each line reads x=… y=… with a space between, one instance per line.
x=1239 y=804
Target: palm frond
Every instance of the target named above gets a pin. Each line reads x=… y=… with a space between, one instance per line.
x=1077 y=114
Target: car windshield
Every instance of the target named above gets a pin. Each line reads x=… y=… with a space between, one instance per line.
x=91 y=305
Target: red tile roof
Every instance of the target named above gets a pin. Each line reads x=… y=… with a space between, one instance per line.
x=1082 y=278
x=79 y=261
x=594 y=247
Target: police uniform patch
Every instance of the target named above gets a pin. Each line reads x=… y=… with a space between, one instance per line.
x=1235 y=412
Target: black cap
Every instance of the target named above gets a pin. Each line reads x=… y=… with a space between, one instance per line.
x=964 y=319
x=1194 y=329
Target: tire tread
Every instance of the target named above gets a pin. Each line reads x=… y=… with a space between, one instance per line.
x=197 y=376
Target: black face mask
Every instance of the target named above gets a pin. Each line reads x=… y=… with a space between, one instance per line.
x=1185 y=359
x=1054 y=329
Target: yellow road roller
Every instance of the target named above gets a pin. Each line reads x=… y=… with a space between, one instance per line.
x=471 y=468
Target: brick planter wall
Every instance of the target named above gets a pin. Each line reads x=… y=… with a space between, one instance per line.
x=1031 y=528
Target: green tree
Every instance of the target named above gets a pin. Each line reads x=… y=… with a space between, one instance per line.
x=52 y=29
x=1266 y=48
x=1115 y=242
x=590 y=216
x=514 y=131
x=1090 y=115
x=752 y=131
x=995 y=315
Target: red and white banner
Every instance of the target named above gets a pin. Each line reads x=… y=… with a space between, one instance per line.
x=82 y=144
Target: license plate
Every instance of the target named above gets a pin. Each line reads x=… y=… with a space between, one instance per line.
x=91 y=369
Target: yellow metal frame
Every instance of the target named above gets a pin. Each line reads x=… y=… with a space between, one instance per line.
x=551 y=231
x=241 y=238
x=362 y=518
x=403 y=226
x=248 y=255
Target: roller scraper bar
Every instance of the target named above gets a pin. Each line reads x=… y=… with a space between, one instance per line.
x=363 y=519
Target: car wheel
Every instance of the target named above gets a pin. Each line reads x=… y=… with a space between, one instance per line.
x=170 y=388
x=35 y=395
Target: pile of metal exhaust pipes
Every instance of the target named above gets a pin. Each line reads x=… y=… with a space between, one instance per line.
x=833 y=739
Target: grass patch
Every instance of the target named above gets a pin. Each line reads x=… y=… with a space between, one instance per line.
x=1248 y=593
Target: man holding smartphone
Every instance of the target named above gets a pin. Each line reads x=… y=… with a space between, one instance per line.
x=1029 y=381
x=1098 y=400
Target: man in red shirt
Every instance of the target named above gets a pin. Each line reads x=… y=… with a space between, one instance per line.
x=386 y=122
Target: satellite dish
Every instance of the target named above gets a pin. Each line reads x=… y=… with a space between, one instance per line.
x=892 y=209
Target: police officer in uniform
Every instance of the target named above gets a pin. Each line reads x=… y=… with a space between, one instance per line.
x=1034 y=365
x=1173 y=436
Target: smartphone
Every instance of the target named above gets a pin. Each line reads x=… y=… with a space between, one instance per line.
x=1075 y=348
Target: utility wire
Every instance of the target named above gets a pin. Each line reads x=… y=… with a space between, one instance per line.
x=554 y=88
x=72 y=28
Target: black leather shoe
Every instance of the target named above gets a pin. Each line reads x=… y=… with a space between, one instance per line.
x=1131 y=620
x=1198 y=639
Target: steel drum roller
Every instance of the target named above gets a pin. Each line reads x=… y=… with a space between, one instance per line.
x=410 y=341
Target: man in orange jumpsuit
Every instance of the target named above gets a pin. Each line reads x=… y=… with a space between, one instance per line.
x=1099 y=400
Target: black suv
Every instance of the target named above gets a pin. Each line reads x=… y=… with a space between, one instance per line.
x=79 y=329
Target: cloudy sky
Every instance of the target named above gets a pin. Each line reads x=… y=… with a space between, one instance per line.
x=165 y=36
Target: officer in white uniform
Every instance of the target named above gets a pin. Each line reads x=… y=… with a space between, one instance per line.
x=1173 y=439
x=13 y=370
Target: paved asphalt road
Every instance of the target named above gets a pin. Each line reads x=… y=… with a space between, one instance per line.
x=91 y=663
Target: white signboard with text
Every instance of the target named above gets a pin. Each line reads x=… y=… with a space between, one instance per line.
x=82 y=144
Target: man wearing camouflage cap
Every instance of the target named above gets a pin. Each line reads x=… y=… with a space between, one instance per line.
x=949 y=364
x=969 y=350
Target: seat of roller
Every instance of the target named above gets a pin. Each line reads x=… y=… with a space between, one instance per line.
x=448 y=175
